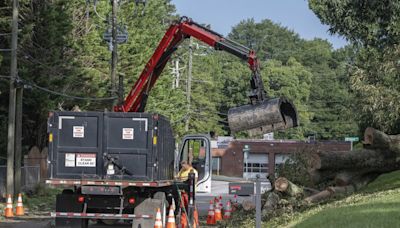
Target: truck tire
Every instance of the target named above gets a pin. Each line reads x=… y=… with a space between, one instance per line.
x=149 y=207
x=85 y=223
x=109 y=222
x=66 y=202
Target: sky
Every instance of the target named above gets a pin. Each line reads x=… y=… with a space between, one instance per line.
x=224 y=14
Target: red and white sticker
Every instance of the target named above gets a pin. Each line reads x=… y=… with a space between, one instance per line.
x=78 y=132
x=85 y=160
x=127 y=133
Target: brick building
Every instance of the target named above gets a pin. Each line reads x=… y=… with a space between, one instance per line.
x=264 y=156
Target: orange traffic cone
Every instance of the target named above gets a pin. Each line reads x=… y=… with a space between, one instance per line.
x=158 y=223
x=173 y=204
x=211 y=214
x=217 y=212
x=195 y=218
x=184 y=220
x=20 y=207
x=8 y=211
x=228 y=210
x=171 y=218
x=221 y=205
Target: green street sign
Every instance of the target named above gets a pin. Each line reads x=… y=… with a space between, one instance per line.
x=351 y=139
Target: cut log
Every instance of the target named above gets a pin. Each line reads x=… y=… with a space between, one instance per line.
x=284 y=185
x=375 y=139
x=382 y=152
x=356 y=185
x=344 y=178
x=248 y=205
x=310 y=191
x=322 y=195
x=341 y=190
x=353 y=160
x=321 y=176
x=281 y=184
x=271 y=202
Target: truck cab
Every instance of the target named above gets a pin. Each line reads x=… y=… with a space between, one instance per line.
x=196 y=150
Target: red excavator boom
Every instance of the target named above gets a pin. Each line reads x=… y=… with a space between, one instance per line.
x=185 y=28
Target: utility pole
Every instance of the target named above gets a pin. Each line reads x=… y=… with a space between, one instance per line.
x=12 y=100
x=114 y=53
x=177 y=74
x=18 y=139
x=189 y=83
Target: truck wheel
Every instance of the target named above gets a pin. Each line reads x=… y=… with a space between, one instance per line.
x=67 y=192
x=109 y=222
x=66 y=202
x=85 y=223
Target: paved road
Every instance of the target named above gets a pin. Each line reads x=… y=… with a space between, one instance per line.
x=48 y=223
x=218 y=188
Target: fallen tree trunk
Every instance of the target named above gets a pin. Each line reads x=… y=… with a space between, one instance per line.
x=375 y=139
x=344 y=178
x=322 y=195
x=329 y=192
x=310 y=191
x=284 y=185
x=248 y=205
x=382 y=153
x=320 y=176
x=271 y=203
x=356 y=159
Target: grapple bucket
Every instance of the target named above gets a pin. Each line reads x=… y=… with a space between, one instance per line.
x=267 y=116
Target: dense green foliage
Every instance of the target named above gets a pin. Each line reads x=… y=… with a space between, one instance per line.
x=373 y=27
x=61 y=48
x=309 y=72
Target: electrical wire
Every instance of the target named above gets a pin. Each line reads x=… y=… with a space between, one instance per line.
x=72 y=96
x=59 y=93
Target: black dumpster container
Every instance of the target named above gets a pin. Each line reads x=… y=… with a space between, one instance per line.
x=123 y=146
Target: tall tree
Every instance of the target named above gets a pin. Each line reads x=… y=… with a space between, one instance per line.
x=320 y=115
x=61 y=49
x=373 y=28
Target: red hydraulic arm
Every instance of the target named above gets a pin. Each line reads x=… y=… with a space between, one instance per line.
x=177 y=32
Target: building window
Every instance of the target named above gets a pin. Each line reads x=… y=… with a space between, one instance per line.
x=255 y=164
x=255 y=167
x=216 y=165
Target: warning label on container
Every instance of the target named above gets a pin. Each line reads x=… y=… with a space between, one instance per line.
x=69 y=160
x=127 y=133
x=78 y=132
x=85 y=160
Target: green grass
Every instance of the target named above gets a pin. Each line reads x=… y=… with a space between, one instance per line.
x=375 y=210
x=376 y=205
x=384 y=182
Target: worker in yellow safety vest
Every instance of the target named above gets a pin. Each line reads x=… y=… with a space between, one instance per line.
x=183 y=174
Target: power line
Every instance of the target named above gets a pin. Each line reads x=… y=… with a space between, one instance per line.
x=59 y=93
x=72 y=96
